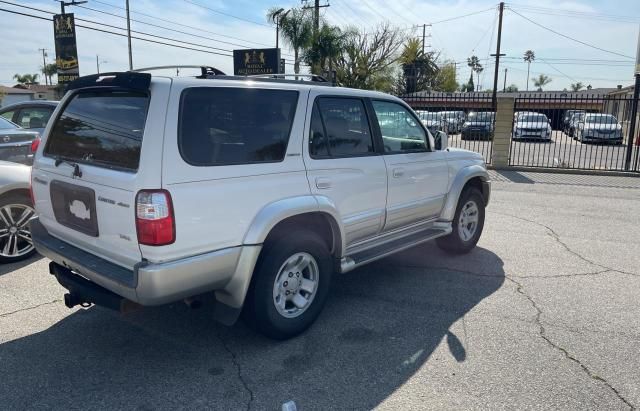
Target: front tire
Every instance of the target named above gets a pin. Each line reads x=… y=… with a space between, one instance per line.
x=15 y=236
x=468 y=223
x=290 y=285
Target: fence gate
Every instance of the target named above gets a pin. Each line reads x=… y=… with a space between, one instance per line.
x=450 y=111
x=574 y=131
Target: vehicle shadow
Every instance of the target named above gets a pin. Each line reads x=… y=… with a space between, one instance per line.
x=381 y=324
x=11 y=267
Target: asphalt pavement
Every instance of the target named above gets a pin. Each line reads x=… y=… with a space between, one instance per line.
x=543 y=314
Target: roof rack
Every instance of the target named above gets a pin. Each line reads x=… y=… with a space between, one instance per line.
x=311 y=77
x=207 y=71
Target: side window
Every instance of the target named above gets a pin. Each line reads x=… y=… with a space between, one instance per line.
x=8 y=115
x=346 y=127
x=318 y=146
x=34 y=117
x=400 y=130
x=225 y=125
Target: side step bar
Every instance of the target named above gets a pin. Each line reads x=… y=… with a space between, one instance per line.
x=355 y=260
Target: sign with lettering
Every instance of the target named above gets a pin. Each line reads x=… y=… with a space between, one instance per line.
x=256 y=61
x=64 y=34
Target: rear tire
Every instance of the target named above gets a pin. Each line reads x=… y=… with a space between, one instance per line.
x=15 y=235
x=290 y=285
x=468 y=223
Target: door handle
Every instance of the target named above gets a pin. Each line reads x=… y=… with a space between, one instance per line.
x=398 y=172
x=323 y=183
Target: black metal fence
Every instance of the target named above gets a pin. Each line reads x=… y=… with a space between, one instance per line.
x=574 y=131
x=467 y=118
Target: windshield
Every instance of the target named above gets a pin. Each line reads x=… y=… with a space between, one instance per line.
x=430 y=116
x=482 y=116
x=6 y=124
x=601 y=119
x=534 y=118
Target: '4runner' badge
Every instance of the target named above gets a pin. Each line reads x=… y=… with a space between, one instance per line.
x=80 y=210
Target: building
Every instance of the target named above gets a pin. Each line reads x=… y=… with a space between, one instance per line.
x=11 y=95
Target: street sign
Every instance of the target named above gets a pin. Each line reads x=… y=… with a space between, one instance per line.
x=64 y=34
x=256 y=61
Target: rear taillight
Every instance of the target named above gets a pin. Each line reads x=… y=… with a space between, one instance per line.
x=35 y=144
x=154 y=218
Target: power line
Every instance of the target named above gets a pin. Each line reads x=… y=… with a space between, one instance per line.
x=576 y=14
x=553 y=67
x=226 y=14
x=570 y=38
x=366 y=3
x=450 y=18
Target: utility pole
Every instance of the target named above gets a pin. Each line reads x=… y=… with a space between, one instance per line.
x=504 y=86
x=98 y=64
x=495 y=75
x=44 y=65
x=424 y=34
x=129 y=36
x=316 y=14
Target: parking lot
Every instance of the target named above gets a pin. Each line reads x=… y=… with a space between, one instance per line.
x=563 y=151
x=543 y=314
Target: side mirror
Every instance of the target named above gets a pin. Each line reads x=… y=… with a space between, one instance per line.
x=441 y=140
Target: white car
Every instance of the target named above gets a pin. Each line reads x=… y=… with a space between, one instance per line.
x=152 y=190
x=534 y=126
x=599 y=127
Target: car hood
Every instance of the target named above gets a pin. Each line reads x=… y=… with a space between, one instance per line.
x=462 y=154
x=532 y=124
x=597 y=126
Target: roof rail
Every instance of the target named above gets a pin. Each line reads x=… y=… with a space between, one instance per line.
x=311 y=77
x=207 y=71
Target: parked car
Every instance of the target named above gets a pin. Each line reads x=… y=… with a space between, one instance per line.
x=479 y=125
x=454 y=121
x=152 y=190
x=32 y=115
x=576 y=118
x=535 y=126
x=599 y=127
x=567 y=118
x=16 y=142
x=433 y=121
x=15 y=211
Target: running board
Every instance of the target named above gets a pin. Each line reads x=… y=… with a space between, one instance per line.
x=355 y=260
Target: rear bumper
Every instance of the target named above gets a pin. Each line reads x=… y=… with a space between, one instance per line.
x=480 y=134
x=227 y=271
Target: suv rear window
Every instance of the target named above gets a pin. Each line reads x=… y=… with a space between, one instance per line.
x=225 y=125
x=102 y=128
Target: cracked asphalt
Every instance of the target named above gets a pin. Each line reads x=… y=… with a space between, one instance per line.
x=544 y=314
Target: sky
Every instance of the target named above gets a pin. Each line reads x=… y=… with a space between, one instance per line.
x=588 y=41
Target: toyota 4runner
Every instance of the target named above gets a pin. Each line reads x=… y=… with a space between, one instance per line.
x=151 y=190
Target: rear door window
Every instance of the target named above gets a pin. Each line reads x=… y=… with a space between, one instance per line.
x=102 y=128
x=226 y=125
x=34 y=117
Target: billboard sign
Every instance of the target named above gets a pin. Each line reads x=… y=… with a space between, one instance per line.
x=256 y=61
x=64 y=34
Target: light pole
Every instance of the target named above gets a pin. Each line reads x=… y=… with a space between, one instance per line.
x=277 y=18
x=98 y=63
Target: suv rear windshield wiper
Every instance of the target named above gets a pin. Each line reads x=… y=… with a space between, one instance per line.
x=76 y=168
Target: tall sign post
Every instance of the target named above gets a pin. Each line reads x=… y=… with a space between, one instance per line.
x=634 y=114
x=64 y=34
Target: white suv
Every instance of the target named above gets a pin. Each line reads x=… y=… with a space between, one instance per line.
x=152 y=190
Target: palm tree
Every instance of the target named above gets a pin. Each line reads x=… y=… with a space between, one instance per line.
x=541 y=81
x=419 y=68
x=327 y=46
x=529 y=56
x=296 y=29
x=577 y=86
x=476 y=67
x=49 y=70
x=26 y=78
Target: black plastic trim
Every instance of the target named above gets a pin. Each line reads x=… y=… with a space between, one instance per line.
x=127 y=80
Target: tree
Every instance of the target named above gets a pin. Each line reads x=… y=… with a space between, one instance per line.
x=368 y=57
x=529 y=57
x=296 y=29
x=419 y=69
x=541 y=81
x=26 y=78
x=577 y=86
x=512 y=88
x=49 y=70
x=327 y=46
x=446 y=78
x=469 y=87
x=476 y=67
